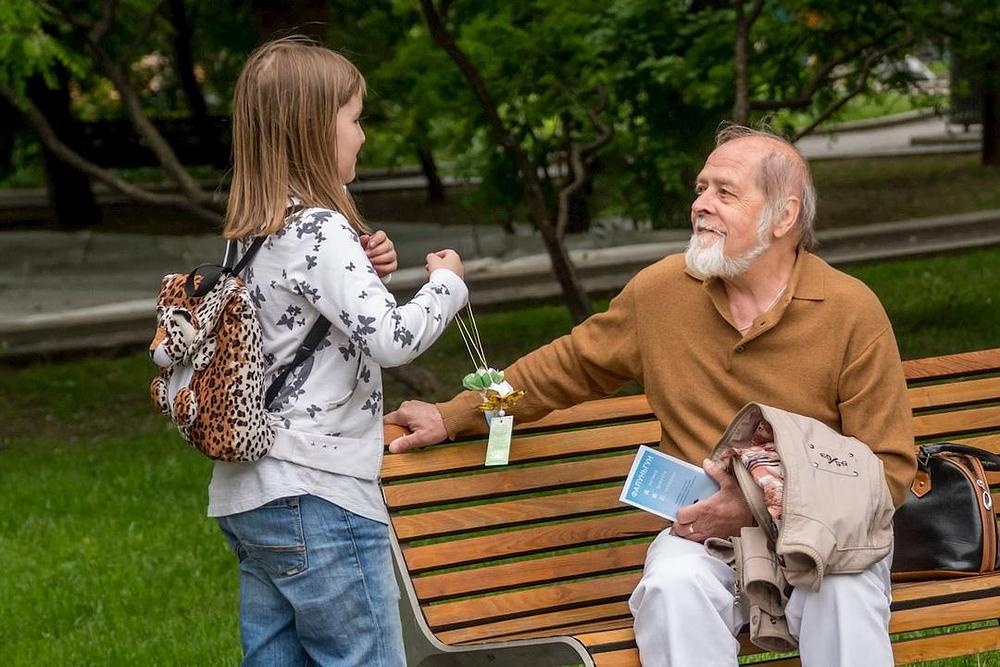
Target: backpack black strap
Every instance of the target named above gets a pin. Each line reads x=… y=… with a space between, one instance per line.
x=212 y=273
x=306 y=350
x=229 y=267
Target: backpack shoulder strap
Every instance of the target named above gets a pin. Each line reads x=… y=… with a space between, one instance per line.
x=306 y=350
x=230 y=265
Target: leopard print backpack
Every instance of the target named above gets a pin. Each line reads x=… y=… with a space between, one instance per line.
x=208 y=345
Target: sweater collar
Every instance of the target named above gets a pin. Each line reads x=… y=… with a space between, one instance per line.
x=806 y=281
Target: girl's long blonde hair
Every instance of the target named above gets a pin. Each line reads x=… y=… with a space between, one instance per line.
x=285 y=135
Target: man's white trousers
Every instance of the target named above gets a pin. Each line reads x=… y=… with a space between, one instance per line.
x=685 y=614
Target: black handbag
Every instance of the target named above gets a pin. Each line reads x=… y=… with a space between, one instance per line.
x=946 y=527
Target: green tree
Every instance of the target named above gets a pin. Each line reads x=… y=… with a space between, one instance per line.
x=96 y=46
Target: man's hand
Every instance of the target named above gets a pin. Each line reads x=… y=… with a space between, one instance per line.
x=720 y=515
x=425 y=422
x=381 y=252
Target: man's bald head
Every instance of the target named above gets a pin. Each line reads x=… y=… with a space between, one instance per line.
x=781 y=173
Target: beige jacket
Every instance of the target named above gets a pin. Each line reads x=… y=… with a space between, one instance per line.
x=836 y=517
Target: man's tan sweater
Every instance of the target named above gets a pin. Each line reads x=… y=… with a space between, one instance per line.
x=825 y=350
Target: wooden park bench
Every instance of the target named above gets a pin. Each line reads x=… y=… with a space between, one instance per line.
x=532 y=564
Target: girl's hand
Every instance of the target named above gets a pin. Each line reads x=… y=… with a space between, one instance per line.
x=445 y=259
x=381 y=252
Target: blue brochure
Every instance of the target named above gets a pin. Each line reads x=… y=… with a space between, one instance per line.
x=662 y=484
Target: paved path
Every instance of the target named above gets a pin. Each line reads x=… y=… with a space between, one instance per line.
x=61 y=292
x=923 y=136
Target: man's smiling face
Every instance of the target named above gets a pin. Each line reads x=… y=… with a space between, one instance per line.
x=728 y=232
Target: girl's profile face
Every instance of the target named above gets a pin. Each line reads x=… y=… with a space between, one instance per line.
x=350 y=136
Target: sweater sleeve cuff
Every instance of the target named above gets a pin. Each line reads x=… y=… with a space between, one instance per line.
x=460 y=415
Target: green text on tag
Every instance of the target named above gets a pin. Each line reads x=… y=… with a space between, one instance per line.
x=498 y=449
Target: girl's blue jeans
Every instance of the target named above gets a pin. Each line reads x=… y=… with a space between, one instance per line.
x=316 y=586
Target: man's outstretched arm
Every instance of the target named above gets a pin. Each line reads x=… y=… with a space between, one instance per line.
x=592 y=361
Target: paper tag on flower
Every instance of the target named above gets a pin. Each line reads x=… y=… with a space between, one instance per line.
x=498 y=448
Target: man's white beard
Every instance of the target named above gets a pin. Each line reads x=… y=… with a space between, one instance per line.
x=705 y=254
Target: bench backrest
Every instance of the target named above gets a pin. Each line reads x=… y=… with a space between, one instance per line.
x=543 y=546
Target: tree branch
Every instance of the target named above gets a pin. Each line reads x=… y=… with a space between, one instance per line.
x=133 y=109
x=576 y=298
x=65 y=153
x=100 y=29
x=860 y=87
x=503 y=134
x=577 y=162
x=128 y=55
x=819 y=78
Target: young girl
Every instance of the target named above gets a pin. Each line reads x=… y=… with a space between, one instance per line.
x=307 y=521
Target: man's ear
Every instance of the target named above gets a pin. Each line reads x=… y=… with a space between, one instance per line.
x=786 y=221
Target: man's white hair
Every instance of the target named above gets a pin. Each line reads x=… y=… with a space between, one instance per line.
x=783 y=173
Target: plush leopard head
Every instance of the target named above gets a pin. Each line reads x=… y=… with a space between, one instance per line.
x=177 y=324
x=175 y=331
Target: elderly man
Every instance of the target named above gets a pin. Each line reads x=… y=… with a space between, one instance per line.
x=747 y=314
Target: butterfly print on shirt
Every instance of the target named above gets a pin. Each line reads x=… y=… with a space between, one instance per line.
x=373 y=403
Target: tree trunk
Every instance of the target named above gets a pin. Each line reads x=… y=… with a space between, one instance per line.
x=991 y=114
x=580 y=307
x=579 y=217
x=8 y=119
x=435 y=188
x=578 y=181
x=70 y=194
x=184 y=66
x=576 y=298
x=741 y=105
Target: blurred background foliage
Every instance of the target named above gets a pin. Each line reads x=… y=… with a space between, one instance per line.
x=660 y=75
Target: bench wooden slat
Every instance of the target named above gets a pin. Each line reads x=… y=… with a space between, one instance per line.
x=942 y=424
x=990 y=443
x=597 y=530
x=950 y=365
x=607 y=637
x=941 y=615
x=531 y=601
x=944 y=646
x=618 y=408
x=455 y=458
x=920 y=590
x=543 y=623
x=507 y=513
x=613 y=624
x=521 y=573
x=497 y=481
x=937 y=396
x=624 y=658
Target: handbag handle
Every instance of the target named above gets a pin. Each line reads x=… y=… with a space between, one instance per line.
x=990 y=460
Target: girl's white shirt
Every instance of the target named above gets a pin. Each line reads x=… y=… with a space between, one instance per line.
x=328 y=415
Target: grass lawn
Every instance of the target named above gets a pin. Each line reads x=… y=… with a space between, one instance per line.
x=107 y=555
x=857 y=192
